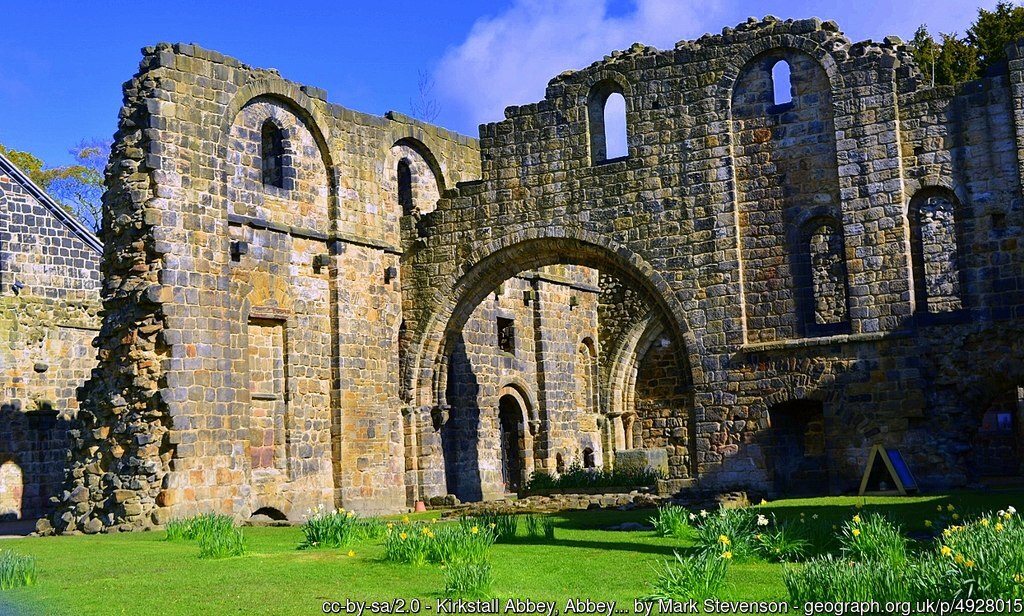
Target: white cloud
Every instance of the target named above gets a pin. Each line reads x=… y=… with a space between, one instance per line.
x=509 y=59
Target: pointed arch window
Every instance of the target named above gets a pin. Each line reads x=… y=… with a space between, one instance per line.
x=609 y=133
x=272 y=153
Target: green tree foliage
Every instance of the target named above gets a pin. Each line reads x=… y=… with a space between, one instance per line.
x=993 y=30
x=956 y=60
x=77 y=187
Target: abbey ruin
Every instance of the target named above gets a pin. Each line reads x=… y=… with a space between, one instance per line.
x=305 y=305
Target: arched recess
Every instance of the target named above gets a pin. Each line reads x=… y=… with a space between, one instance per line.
x=264 y=290
x=652 y=403
x=936 y=240
x=522 y=251
x=819 y=265
x=507 y=257
x=292 y=189
x=608 y=124
x=12 y=489
x=784 y=164
x=291 y=97
x=408 y=197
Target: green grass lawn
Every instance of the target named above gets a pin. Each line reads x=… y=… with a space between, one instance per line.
x=140 y=573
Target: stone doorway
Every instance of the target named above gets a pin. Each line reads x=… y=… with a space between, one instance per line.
x=510 y=418
x=797 y=448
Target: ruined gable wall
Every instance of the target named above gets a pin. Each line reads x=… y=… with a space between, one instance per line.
x=49 y=302
x=236 y=379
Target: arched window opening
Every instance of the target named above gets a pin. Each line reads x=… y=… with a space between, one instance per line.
x=510 y=418
x=559 y=463
x=782 y=83
x=606 y=114
x=615 y=127
x=12 y=488
x=405 y=186
x=272 y=154
x=588 y=458
x=935 y=253
x=821 y=266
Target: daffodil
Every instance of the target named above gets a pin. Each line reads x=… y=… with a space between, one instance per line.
x=1018 y=577
x=856 y=532
x=999 y=527
x=351 y=553
x=938 y=507
x=403 y=536
x=390 y=525
x=475 y=530
x=984 y=521
x=969 y=564
x=1011 y=510
x=727 y=555
x=946 y=550
x=349 y=514
x=856 y=519
x=491 y=525
x=724 y=540
x=950 y=507
x=959 y=558
x=761 y=520
x=927 y=523
x=956 y=516
x=764 y=502
x=405 y=519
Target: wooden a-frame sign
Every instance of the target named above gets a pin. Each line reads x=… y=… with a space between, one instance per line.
x=893 y=467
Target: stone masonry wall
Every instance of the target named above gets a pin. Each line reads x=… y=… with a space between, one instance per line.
x=302 y=302
x=774 y=242
x=49 y=303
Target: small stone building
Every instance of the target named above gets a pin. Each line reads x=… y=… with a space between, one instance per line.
x=805 y=251
x=49 y=315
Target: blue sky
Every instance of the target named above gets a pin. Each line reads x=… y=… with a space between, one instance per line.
x=63 y=63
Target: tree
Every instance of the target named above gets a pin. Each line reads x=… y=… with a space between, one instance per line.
x=425 y=107
x=956 y=60
x=990 y=33
x=925 y=51
x=78 y=188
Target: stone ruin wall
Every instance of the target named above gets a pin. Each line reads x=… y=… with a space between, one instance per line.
x=796 y=283
x=49 y=313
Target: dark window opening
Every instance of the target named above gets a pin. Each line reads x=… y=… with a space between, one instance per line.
x=507 y=335
x=510 y=418
x=559 y=464
x=588 y=458
x=405 y=186
x=272 y=154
